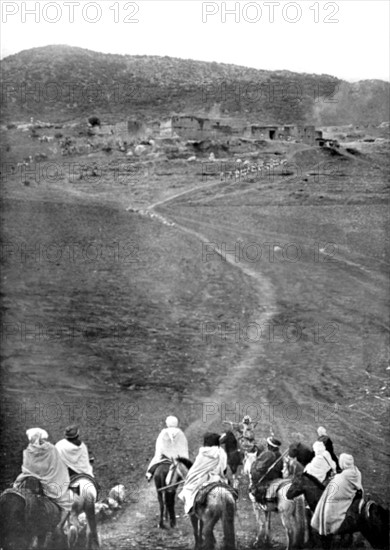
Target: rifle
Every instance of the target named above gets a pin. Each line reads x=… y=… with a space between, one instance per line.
x=272 y=466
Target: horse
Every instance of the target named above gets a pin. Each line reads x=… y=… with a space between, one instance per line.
x=214 y=502
x=235 y=455
x=85 y=491
x=166 y=497
x=364 y=516
x=292 y=511
x=26 y=514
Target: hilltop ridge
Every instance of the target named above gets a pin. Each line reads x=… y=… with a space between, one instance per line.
x=65 y=82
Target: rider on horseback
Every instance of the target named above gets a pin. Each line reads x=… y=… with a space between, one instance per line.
x=267 y=467
x=333 y=505
x=171 y=443
x=74 y=452
x=42 y=461
x=247 y=434
x=209 y=466
x=326 y=440
x=321 y=466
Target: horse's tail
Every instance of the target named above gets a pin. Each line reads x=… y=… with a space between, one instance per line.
x=228 y=513
x=302 y=530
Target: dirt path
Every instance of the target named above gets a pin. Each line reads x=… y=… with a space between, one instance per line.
x=137 y=525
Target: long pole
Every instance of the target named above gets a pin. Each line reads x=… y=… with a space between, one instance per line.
x=169 y=486
x=272 y=465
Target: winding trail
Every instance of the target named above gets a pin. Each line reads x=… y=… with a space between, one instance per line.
x=233 y=390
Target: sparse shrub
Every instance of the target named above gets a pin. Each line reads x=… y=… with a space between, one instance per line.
x=94 y=121
x=58 y=135
x=11 y=126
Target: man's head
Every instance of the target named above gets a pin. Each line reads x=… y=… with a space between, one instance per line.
x=72 y=432
x=321 y=431
x=273 y=443
x=171 y=422
x=247 y=419
x=346 y=461
x=211 y=439
x=36 y=436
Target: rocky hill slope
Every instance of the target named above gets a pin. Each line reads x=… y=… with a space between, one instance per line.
x=64 y=83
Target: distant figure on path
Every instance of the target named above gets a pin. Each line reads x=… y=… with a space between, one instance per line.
x=326 y=440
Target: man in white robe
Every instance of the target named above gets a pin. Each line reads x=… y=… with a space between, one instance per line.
x=322 y=465
x=209 y=466
x=171 y=443
x=42 y=460
x=74 y=452
x=333 y=505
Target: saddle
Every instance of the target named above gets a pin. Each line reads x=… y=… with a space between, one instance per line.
x=201 y=495
x=267 y=493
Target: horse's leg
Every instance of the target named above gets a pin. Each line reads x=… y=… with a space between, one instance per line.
x=92 y=538
x=210 y=518
x=267 y=525
x=260 y=525
x=170 y=506
x=195 y=527
x=161 y=503
x=228 y=513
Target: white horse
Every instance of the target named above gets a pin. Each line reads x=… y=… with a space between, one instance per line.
x=292 y=512
x=85 y=497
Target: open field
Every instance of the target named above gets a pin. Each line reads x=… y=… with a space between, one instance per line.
x=114 y=319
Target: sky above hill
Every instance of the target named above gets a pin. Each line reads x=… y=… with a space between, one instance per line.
x=346 y=38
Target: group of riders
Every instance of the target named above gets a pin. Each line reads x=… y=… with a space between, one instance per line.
x=212 y=460
x=55 y=465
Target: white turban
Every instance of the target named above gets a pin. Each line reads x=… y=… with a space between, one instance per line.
x=321 y=431
x=346 y=461
x=34 y=435
x=172 y=422
x=318 y=448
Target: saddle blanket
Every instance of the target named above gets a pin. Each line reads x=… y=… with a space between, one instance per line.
x=201 y=495
x=274 y=487
x=74 y=484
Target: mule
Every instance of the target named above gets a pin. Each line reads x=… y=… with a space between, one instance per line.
x=292 y=511
x=166 y=497
x=364 y=516
x=217 y=503
x=26 y=514
x=85 y=492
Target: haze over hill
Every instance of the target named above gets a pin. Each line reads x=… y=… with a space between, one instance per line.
x=63 y=83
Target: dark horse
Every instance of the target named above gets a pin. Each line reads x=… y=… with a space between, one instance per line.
x=166 y=497
x=27 y=514
x=370 y=519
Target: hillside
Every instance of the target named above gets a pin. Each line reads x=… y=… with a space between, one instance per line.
x=63 y=83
